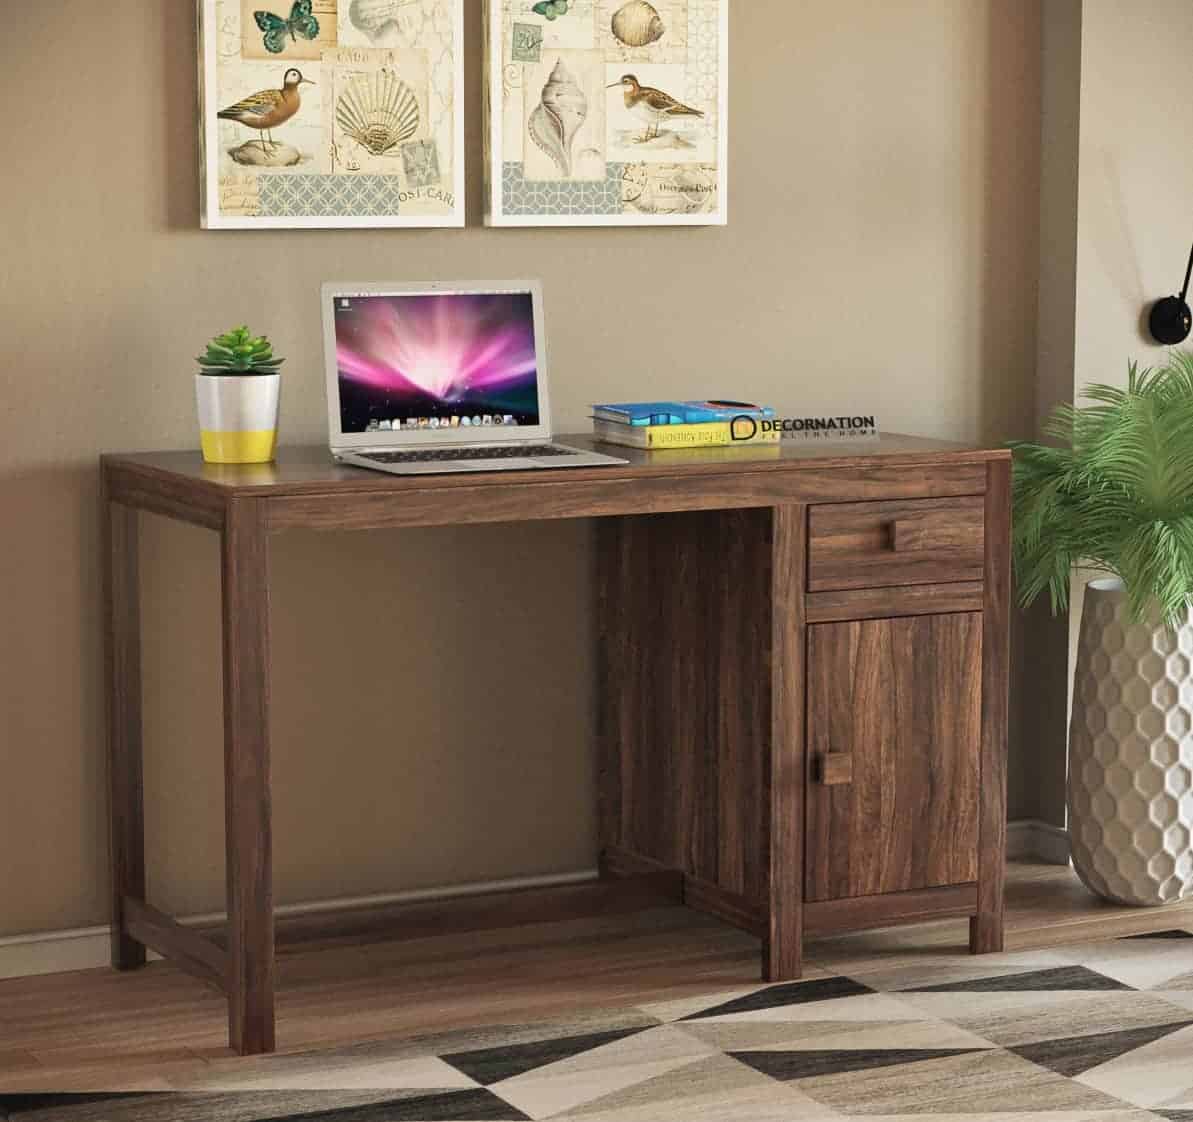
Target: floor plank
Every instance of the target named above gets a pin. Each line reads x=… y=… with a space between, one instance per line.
x=96 y=1030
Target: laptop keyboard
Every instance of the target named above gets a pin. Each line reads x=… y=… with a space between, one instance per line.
x=441 y=455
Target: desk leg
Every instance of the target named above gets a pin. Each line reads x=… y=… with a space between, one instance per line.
x=986 y=928
x=122 y=607
x=246 y=778
x=782 y=950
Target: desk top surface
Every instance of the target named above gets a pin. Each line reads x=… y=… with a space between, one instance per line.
x=311 y=469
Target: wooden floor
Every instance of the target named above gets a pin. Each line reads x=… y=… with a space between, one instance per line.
x=95 y=1030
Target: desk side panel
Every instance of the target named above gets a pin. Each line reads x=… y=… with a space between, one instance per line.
x=685 y=651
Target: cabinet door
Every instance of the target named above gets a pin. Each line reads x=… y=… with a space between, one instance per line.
x=894 y=737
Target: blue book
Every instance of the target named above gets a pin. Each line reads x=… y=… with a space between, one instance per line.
x=679 y=412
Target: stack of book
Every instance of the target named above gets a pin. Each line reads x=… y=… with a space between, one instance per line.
x=655 y=425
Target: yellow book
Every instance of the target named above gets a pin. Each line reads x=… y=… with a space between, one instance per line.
x=712 y=434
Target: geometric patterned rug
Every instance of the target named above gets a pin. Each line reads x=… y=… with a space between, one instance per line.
x=1101 y=1032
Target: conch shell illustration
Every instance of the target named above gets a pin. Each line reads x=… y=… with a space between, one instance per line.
x=378 y=19
x=638 y=24
x=378 y=111
x=559 y=116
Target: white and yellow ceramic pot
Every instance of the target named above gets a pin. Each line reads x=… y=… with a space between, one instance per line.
x=238 y=417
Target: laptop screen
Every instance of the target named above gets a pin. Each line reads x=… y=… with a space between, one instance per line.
x=423 y=361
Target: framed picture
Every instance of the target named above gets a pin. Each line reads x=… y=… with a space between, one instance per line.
x=331 y=113
x=607 y=112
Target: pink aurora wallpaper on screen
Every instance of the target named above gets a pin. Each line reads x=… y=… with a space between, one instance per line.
x=443 y=359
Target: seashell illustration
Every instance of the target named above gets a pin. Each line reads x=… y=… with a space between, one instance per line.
x=558 y=117
x=378 y=111
x=638 y=24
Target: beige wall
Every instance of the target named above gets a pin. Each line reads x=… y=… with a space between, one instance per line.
x=1135 y=223
x=1117 y=177
x=430 y=727
x=1043 y=656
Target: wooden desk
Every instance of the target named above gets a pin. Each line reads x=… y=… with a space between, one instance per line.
x=803 y=671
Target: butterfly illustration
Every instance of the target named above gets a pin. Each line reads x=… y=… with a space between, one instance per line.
x=552 y=9
x=301 y=24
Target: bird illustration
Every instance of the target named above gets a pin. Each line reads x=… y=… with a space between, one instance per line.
x=652 y=106
x=267 y=109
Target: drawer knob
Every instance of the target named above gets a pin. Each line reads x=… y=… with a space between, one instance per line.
x=835 y=769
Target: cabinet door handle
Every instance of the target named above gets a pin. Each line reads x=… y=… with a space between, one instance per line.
x=835 y=769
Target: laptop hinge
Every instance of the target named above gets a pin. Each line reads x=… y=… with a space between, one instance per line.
x=445 y=445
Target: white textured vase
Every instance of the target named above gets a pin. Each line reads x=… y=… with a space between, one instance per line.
x=1131 y=753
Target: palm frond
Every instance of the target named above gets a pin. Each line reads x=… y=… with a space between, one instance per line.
x=1115 y=491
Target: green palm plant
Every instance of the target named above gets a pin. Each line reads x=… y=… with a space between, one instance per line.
x=1115 y=493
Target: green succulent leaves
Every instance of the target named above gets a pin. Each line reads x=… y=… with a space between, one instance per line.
x=239 y=353
x=552 y=9
x=1115 y=492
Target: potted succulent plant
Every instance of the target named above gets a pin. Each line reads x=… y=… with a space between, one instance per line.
x=237 y=389
x=1116 y=494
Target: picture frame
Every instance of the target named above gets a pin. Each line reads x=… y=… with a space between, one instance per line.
x=331 y=114
x=565 y=149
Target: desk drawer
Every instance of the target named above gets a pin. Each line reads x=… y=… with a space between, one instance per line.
x=878 y=545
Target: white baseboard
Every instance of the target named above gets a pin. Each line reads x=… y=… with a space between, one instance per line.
x=53 y=952
x=87 y=948
x=1031 y=838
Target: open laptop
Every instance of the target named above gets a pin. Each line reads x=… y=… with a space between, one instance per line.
x=431 y=378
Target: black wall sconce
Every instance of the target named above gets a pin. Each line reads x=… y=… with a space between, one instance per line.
x=1170 y=320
